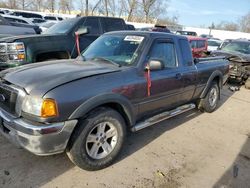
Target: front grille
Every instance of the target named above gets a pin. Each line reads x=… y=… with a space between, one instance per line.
x=4 y=58
x=3 y=48
x=8 y=97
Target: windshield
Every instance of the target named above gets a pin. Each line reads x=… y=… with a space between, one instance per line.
x=122 y=50
x=213 y=43
x=242 y=47
x=62 y=27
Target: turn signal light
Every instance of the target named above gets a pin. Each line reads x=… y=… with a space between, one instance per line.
x=49 y=108
x=21 y=56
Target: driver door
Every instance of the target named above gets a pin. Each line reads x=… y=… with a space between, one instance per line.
x=166 y=84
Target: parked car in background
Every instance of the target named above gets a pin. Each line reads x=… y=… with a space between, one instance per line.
x=156 y=28
x=9 y=29
x=238 y=53
x=87 y=106
x=21 y=21
x=130 y=27
x=53 y=18
x=160 y=28
x=189 y=33
x=213 y=44
x=46 y=25
x=198 y=45
x=38 y=21
x=27 y=14
x=206 y=36
x=59 y=41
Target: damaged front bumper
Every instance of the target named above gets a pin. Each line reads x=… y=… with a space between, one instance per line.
x=39 y=139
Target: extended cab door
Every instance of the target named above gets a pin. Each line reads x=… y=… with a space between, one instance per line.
x=188 y=71
x=166 y=84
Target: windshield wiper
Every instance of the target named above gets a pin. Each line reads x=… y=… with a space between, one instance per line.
x=107 y=60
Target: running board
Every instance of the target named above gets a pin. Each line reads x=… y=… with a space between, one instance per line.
x=163 y=116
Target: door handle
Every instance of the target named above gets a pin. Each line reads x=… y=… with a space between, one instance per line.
x=178 y=76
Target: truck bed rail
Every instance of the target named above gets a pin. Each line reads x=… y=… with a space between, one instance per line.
x=198 y=60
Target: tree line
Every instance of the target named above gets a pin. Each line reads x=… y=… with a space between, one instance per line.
x=148 y=11
x=243 y=24
x=134 y=10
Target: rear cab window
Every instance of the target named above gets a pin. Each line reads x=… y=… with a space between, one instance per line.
x=93 y=24
x=113 y=24
x=187 y=59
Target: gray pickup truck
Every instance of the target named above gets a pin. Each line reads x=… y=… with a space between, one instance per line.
x=124 y=81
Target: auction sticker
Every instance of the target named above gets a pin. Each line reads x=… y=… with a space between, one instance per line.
x=134 y=38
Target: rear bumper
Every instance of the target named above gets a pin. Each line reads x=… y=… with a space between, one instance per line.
x=39 y=139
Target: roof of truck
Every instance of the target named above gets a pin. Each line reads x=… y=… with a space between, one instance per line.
x=147 y=34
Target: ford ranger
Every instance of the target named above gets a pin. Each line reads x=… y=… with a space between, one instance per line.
x=124 y=81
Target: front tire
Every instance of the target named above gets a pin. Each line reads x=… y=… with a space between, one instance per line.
x=210 y=102
x=98 y=140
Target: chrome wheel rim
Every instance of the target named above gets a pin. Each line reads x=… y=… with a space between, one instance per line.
x=101 y=140
x=213 y=95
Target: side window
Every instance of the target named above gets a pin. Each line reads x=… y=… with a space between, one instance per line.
x=201 y=44
x=112 y=24
x=164 y=51
x=186 y=53
x=93 y=25
x=193 y=44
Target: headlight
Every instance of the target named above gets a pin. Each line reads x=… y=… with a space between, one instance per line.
x=13 y=51
x=40 y=107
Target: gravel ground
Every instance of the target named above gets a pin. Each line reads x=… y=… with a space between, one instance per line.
x=192 y=150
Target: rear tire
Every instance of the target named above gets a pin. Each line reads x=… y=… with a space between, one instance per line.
x=98 y=140
x=210 y=102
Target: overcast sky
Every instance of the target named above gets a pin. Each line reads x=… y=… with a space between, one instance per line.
x=204 y=12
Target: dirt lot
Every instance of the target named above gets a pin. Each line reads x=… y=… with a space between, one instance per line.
x=192 y=150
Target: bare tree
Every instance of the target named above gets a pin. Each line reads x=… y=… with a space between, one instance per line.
x=38 y=5
x=12 y=4
x=51 y=5
x=65 y=5
x=131 y=8
x=229 y=26
x=95 y=7
x=245 y=23
x=152 y=9
x=25 y=4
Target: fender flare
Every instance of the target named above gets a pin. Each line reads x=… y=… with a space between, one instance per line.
x=215 y=74
x=103 y=99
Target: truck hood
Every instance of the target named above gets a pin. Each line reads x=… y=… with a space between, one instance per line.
x=35 y=37
x=233 y=56
x=39 y=78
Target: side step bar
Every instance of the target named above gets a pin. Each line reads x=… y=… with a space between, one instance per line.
x=163 y=116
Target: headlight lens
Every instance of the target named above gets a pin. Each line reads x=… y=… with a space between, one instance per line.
x=13 y=52
x=40 y=107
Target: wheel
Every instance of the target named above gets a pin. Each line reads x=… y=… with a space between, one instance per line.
x=247 y=84
x=98 y=140
x=210 y=102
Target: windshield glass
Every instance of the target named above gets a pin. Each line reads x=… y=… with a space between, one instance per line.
x=242 y=47
x=213 y=43
x=122 y=50
x=62 y=27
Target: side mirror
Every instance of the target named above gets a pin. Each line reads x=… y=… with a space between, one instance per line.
x=82 y=31
x=155 y=65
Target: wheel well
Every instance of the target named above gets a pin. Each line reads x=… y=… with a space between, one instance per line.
x=218 y=81
x=52 y=55
x=119 y=108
